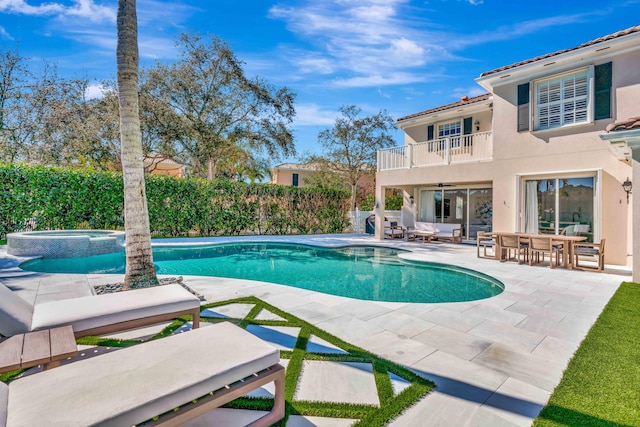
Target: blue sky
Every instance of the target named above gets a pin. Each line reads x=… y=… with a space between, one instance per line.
x=403 y=56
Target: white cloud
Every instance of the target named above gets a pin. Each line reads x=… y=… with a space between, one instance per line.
x=315 y=64
x=314 y=115
x=94 y=91
x=375 y=42
x=4 y=34
x=385 y=42
x=398 y=78
x=520 y=28
x=86 y=9
x=22 y=8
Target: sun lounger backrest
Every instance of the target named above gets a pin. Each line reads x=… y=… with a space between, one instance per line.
x=15 y=313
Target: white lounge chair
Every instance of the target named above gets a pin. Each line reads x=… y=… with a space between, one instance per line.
x=98 y=314
x=135 y=384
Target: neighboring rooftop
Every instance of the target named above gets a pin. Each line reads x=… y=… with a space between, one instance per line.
x=296 y=166
x=465 y=100
x=629 y=124
x=602 y=39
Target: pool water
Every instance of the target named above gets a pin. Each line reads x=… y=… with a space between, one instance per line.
x=362 y=272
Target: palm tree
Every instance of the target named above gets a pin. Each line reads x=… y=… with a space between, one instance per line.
x=140 y=271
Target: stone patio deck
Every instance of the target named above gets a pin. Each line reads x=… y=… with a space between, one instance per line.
x=495 y=361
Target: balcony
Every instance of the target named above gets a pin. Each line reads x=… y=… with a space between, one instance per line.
x=445 y=151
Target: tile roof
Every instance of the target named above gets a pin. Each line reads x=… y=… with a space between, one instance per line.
x=465 y=100
x=155 y=159
x=296 y=166
x=629 y=124
x=628 y=31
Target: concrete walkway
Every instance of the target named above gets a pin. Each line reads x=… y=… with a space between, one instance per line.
x=495 y=361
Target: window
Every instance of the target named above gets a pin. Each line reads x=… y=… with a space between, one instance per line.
x=560 y=206
x=295 y=180
x=566 y=99
x=449 y=130
x=563 y=100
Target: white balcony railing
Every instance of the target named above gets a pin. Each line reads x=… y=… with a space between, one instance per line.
x=445 y=151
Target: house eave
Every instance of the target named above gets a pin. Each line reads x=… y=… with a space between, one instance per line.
x=439 y=116
x=561 y=62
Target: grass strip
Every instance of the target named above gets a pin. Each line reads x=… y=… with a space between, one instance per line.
x=390 y=405
x=601 y=385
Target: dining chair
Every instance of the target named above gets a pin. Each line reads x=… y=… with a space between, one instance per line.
x=512 y=242
x=591 y=250
x=485 y=241
x=544 y=245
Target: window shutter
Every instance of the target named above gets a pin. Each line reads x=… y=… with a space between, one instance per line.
x=603 y=77
x=467 y=126
x=467 y=130
x=523 y=107
x=429 y=132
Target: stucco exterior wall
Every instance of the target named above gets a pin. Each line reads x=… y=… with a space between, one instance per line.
x=555 y=153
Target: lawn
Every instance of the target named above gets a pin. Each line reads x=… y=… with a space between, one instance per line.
x=601 y=385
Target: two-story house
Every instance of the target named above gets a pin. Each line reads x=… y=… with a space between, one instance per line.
x=532 y=154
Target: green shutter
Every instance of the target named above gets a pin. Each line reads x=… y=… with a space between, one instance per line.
x=603 y=83
x=466 y=126
x=430 y=133
x=467 y=130
x=523 y=107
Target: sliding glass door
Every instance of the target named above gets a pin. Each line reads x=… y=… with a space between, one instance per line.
x=470 y=207
x=560 y=206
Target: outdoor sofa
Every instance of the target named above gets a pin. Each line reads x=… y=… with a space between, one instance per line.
x=439 y=231
x=98 y=314
x=135 y=384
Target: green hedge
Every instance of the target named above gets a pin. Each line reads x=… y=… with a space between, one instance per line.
x=51 y=198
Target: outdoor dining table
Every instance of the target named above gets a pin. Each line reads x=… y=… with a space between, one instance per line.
x=570 y=240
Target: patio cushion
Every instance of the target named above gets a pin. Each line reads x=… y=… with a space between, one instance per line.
x=15 y=313
x=586 y=251
x=131 y=385
x=95 y=311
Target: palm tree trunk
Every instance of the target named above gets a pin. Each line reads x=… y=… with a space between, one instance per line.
x=140 y=270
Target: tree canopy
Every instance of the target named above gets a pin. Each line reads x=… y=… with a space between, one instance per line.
x=202 y=110
x=205 y=109
x=350 y=146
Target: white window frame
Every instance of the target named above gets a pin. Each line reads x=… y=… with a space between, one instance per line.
x=454 y=142
x=562 y=103
x=579 y=173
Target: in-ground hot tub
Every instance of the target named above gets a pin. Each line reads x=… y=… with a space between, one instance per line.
x=65 y=243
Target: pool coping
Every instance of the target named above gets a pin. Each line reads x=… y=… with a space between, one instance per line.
x=494 y=360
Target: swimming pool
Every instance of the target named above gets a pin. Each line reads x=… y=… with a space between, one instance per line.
x=362 y=272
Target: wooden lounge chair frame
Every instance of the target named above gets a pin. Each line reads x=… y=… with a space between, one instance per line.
x=151 y=383
x=276 y=373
